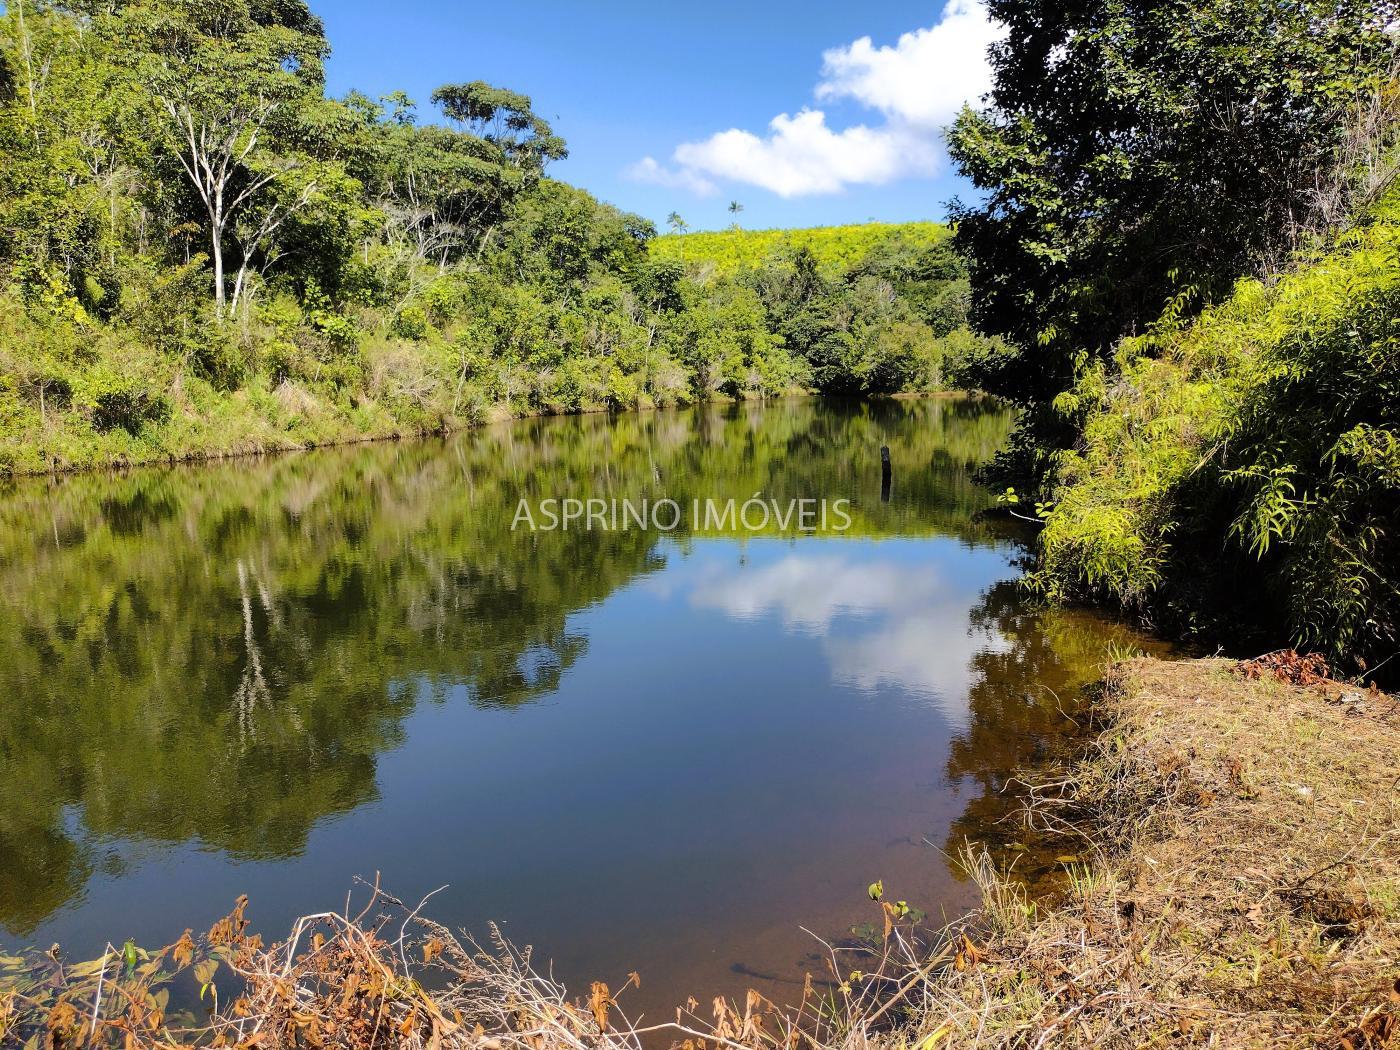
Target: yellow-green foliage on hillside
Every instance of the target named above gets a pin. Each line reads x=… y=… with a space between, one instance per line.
x=866 y=310
x=1253 y=454
x=836 y=248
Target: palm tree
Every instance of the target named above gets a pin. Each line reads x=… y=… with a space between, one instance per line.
x=677 y=224
x=734 y=209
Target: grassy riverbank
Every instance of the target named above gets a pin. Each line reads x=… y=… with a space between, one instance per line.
x=1241 y=891
x=1244 y=889
x=79 y=392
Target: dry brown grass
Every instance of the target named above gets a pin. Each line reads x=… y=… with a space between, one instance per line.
x=382 y=976
x=1245 y=886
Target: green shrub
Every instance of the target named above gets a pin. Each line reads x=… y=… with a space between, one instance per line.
x=623 y=391
x=128 y=408
x=280 y=359
x=412 y=323
x=221 y=359
x=1247 y=463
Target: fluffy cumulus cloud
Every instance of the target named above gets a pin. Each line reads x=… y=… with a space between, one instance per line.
x=923 y=80
x=916 y=85
x=648 y=170
x=801 y=155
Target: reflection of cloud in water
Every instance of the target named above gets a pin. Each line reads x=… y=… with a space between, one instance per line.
x=882 y=624
x=810 y=592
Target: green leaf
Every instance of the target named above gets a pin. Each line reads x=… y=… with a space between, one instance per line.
x=204 y=970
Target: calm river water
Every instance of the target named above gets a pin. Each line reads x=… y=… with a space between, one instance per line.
x=636 y=750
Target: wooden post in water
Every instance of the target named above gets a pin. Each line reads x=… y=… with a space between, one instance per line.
x=884 y=473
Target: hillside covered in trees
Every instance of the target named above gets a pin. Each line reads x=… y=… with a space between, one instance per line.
x=1188 y=247
x=202 y=253
x=837 y=249
x=871 y=309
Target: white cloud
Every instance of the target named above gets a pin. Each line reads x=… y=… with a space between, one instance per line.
x=924 y=79
x=802 y=156
x=916 y=85
x=649 y=170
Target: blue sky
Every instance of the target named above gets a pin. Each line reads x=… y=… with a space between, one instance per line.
x=668 y=105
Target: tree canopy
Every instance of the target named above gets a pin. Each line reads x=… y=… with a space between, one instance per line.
x=1187 y=246
x=1138 y=158
x=202 y=252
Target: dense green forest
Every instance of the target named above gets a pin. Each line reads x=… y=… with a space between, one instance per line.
x=201 y=253
x=871 y=309
x=1180 y=253
x=1188 y=247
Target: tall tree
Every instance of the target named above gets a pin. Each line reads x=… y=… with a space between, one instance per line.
x=1138 y=157
x=504 y=119
x=233 y=81
x=448 y=189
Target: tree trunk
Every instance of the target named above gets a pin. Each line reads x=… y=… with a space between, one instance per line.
x=216 y=236
x=238 y=287
x=28 y=69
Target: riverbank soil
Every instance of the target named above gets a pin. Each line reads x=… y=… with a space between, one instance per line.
x=1244 y=821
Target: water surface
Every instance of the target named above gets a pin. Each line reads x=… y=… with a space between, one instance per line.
x=637 y=751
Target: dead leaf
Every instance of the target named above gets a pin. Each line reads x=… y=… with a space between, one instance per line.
x=1287 y=665
x=598 y=1003
x=182 y=952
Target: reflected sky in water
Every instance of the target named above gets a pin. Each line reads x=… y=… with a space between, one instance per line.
x=662 y=753
x=894 y=617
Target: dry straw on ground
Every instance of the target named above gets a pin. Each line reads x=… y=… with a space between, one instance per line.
x=1243 y=891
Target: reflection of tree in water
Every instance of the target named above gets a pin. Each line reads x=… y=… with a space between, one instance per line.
x=252 y=688
x=1022 y=704
x=230 y=675
x=219 y=654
